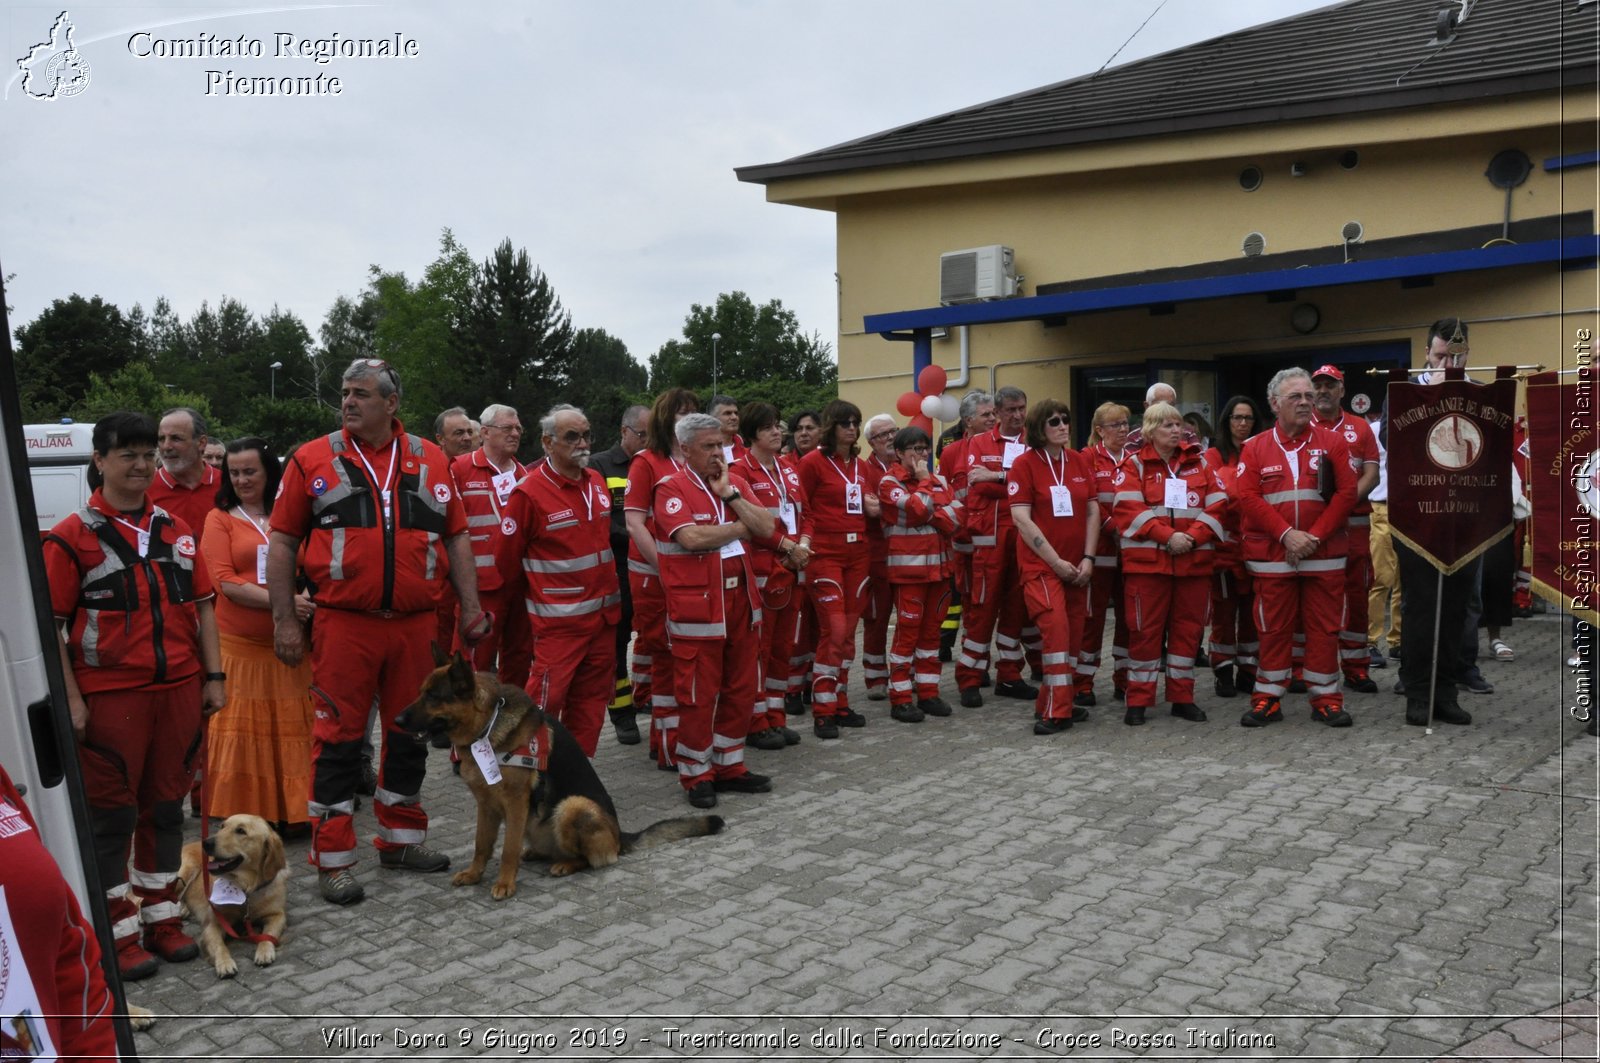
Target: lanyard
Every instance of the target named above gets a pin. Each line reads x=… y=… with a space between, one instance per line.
x=1050 y=462
x=1278 y=438
x=853 y=478
x=588 y=498
x=141 y=535
x=494 y=492
x=775 y=474
x=1174 y=474
x=722 y=511
x=248 y=519
x=388 y=475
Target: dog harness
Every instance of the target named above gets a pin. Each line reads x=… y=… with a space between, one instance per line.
x=535 y=753
x=242 y=929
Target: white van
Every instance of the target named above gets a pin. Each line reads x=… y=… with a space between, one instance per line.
x=58 y=466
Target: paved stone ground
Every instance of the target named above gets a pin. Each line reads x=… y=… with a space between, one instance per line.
x=961 y=889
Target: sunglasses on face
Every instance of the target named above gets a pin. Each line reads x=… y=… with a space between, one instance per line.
x=573 y=438
x=1058 y=421
x=849 y=422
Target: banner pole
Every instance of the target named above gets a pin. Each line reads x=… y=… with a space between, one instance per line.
x=1433 y=670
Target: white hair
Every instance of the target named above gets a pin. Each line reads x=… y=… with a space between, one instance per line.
x=1154 y=389
x=692 y=424
x=888 y=419
x=547 y=423
x=494 y=411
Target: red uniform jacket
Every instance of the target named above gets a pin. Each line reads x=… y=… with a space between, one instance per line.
x=356 y=556
x=778 y=494
x=1274 y=497
x=560 y=529
x=1363 y=446
x=824 y=480
x=485 y=506
x=1230 y=549
x=646 y=473
x=1029 y=484
x=986 y=515
x=1106 y=465
x=131 y=620
x=1146 y=522
x=190 y=505
x=919 y=517
x=695 y=580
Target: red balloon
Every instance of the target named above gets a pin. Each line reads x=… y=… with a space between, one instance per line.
x=909 y=404
x=931 y=380
x=924 y=423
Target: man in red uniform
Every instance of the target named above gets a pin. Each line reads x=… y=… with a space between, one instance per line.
x=725 y=408
x=704 y=517
x=383 y=527
x=559 y=523
x=452 y=430
x=134 y=601
x=879 y=430
x=977 y=417
x=994 y=607
x=485 y=478
x=185 y=486
x=1327 y=383
x=1296 y=489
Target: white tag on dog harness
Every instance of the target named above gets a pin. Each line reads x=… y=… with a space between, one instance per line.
x=488 y=762
x=225 y=891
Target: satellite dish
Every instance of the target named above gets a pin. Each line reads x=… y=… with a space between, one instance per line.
x=1508 y=169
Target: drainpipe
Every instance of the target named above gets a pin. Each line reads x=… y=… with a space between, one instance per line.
x=960 y=380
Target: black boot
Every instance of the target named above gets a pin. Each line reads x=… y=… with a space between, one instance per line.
x=623 y=723
x=1225 y=687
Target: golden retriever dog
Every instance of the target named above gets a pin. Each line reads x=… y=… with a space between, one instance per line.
x=246 y=892
x=546 y=793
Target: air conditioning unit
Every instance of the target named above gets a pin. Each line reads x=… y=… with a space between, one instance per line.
x=977 y=274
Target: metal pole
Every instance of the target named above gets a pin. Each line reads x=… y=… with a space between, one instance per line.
x=1464 y=369
x=715 y=336
x=1433 y=670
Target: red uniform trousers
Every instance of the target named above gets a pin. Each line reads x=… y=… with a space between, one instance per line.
x=715 y=680
x=875 y=627
x=803 y=644
x=355 y=655
x=1060 y=612
x=914 y=659
x=993 y=610
x=571 y=676
x=652 y=662
x=1354 y=657
x=1312 y=602
x=1233 y=625
x=138 y=756
x=838 y=584
x=776 y=650
x=1105 y=592
x=508 y=648
x=1170 y=609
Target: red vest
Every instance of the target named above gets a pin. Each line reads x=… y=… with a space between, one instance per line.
x=329 y=498
x=773 y=580
x=919 y=517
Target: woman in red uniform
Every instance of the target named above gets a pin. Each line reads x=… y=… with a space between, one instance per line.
x=806 y=429
x=652 y=664
x=920 y=515
x=1108 y=445
x=1233 y=630
x=1166 y=511
x=775 y=486
x=1051 y=492
x=141 y=662
x=834 y=480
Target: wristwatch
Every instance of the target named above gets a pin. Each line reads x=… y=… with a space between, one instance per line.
x=216 y=677
x=731 y=497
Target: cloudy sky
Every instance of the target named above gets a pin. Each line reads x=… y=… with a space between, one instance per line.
x=600 y=136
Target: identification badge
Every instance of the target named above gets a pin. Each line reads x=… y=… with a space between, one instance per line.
x=786 y=514
x=225 y=891
x=1013 y=452
x=852 y=499
x=727 y=453
x=733 y=549
x=504 y=484
x=488 y=763
x=144 y=544
x=1060 y=500
x=261 y=564
x=1177 y=494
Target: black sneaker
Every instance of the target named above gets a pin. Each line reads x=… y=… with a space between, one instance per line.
x=627 y=729
x=747 y=783
x=413 y=858
x=791 y=737
x=971 y=698
x=1263 y=710
x=1079 y=713
x=906 y=713
x=1225 y=687
x=1084 y=699
x=1051 y=727
x=1332 y=717
x=1394 y=652
x=1451 y=713
x=767 y=738
x=934 y=707
x=1399 y=685
x=1417 y=713
x=1244 y=682
x=1118 y=694
x=849 y=718
x=1376 y=658
x=1188 y=710
x=1016 y=688
x=1477 y=684
x=984 y=680
x=1134 y=717
x=1361 y=684
x=702 y=794
x=824 y=727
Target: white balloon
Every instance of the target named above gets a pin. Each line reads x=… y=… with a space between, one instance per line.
x=949 y=409
x=931 y=407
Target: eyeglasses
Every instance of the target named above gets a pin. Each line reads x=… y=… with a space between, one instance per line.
x=1298 y=396
x=383 y=367
x=915 y=448
x=887 y=433
x=1243 y=418
x=1114 y=426
x=515 y=429
x=851 y=422
x=1058 y=421
x=635 y=431
x=573 y=438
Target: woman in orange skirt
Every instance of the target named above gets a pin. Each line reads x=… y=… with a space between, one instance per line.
x=259 y=751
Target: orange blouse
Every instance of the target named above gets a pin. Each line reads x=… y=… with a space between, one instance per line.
x=232 y=546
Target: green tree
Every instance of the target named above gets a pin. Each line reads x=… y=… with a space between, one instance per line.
x=760 y=354
x=605 y=380
x=418 y=329
x=64 y=347
x=136 y=387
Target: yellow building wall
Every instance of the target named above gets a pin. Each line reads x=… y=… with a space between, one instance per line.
x=1162 y=202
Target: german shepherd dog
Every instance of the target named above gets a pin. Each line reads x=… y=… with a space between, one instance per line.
x=548 y=793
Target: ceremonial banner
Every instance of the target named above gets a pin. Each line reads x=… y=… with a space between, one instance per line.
x=1565 y=486
x=1449 y=459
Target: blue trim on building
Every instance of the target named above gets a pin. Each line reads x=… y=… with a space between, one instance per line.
x=1567 y=162
x=1582 y=250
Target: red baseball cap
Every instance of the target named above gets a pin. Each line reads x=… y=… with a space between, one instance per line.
x=1329 y=370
